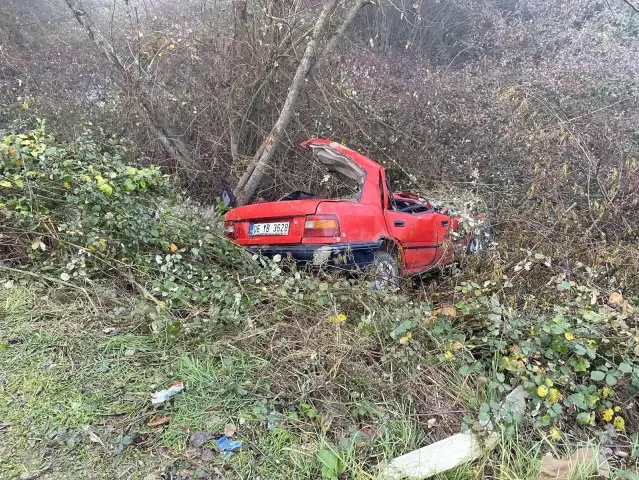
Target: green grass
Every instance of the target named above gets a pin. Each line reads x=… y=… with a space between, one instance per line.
x=76 y=380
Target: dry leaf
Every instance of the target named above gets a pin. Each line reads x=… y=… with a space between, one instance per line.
x=230 y=430
x=95 y=439
x=173 y=247
x=159 y=421
x=615 y=299
x=580 y=460
x=448 y=312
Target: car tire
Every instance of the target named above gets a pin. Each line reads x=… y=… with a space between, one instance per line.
x=480 y=240
x=384 y=271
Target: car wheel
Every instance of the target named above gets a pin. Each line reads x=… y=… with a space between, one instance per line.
x=480 y=240
x=385 y=271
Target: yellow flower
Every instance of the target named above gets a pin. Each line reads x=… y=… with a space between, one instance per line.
x=449 y=356
x=606 y=391
x=341 y=318
x=619 y=423
x=617 y=409
x=554 y=395
x=569 y=336
x=542 y=390
x=406 y=338
x=555 y=433
x=608 y=414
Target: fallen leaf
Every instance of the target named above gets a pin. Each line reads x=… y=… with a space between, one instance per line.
x=199 y=438
x=95 y=439
x=449 y=312
x=581 y=460
x=229 y=430
x=159 y=421
x=615 y=299
x=173 y=247
x=206 y=455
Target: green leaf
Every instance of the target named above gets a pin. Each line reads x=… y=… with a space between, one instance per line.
x=332 y=466
x=484 y=417
x=611 y=380
x=583 y=418
x=18 y=182
x=5 y=184
x=597 y=375
x=106 y=188
x=563 y=286
x=625 y=368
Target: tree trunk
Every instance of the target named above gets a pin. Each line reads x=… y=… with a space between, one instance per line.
x=173 y=147
x=249 y=182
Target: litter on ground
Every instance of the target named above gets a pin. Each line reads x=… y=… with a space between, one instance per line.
x=452 y=451
x=164 y=395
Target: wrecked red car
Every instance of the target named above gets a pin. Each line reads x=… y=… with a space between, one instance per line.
x=359 y=223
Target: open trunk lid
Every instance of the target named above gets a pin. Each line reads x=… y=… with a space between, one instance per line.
x=271 y=218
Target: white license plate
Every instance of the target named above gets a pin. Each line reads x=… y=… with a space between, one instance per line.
x=275 y=228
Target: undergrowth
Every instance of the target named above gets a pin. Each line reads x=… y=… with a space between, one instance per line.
x=114 y=286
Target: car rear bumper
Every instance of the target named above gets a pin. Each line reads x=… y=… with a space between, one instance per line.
x=341 y=255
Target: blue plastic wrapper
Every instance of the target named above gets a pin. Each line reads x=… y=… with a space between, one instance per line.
x=227 y=445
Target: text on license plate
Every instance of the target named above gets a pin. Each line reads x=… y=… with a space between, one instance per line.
x=275 y=228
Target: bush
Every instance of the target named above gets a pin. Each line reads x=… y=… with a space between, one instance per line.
x=77 y=210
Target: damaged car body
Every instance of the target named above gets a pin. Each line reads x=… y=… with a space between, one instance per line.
x=360 y=223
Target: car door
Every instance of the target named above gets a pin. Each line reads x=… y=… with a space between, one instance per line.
x=443 y=227
x=417 y=234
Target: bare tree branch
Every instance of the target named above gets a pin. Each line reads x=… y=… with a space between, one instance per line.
x=173 y=147
x=631 y=5
x=257 y=167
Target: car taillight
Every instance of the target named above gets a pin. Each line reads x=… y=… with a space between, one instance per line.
x=321 y=226
x=229 y=229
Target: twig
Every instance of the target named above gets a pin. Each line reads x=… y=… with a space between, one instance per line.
x=49 y=279
x=634 y=7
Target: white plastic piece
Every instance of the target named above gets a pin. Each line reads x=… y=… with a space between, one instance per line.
x=164 y=395
x=452 y=451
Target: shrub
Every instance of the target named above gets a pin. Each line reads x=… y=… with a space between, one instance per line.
x=78 y=209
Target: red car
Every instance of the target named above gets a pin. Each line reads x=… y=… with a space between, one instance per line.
x=359 y=223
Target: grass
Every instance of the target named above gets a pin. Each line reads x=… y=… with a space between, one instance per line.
x=75 y=385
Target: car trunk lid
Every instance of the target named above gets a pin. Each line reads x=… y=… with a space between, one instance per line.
x=274 y=214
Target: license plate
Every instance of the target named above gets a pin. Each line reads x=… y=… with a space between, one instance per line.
x=275 y=228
